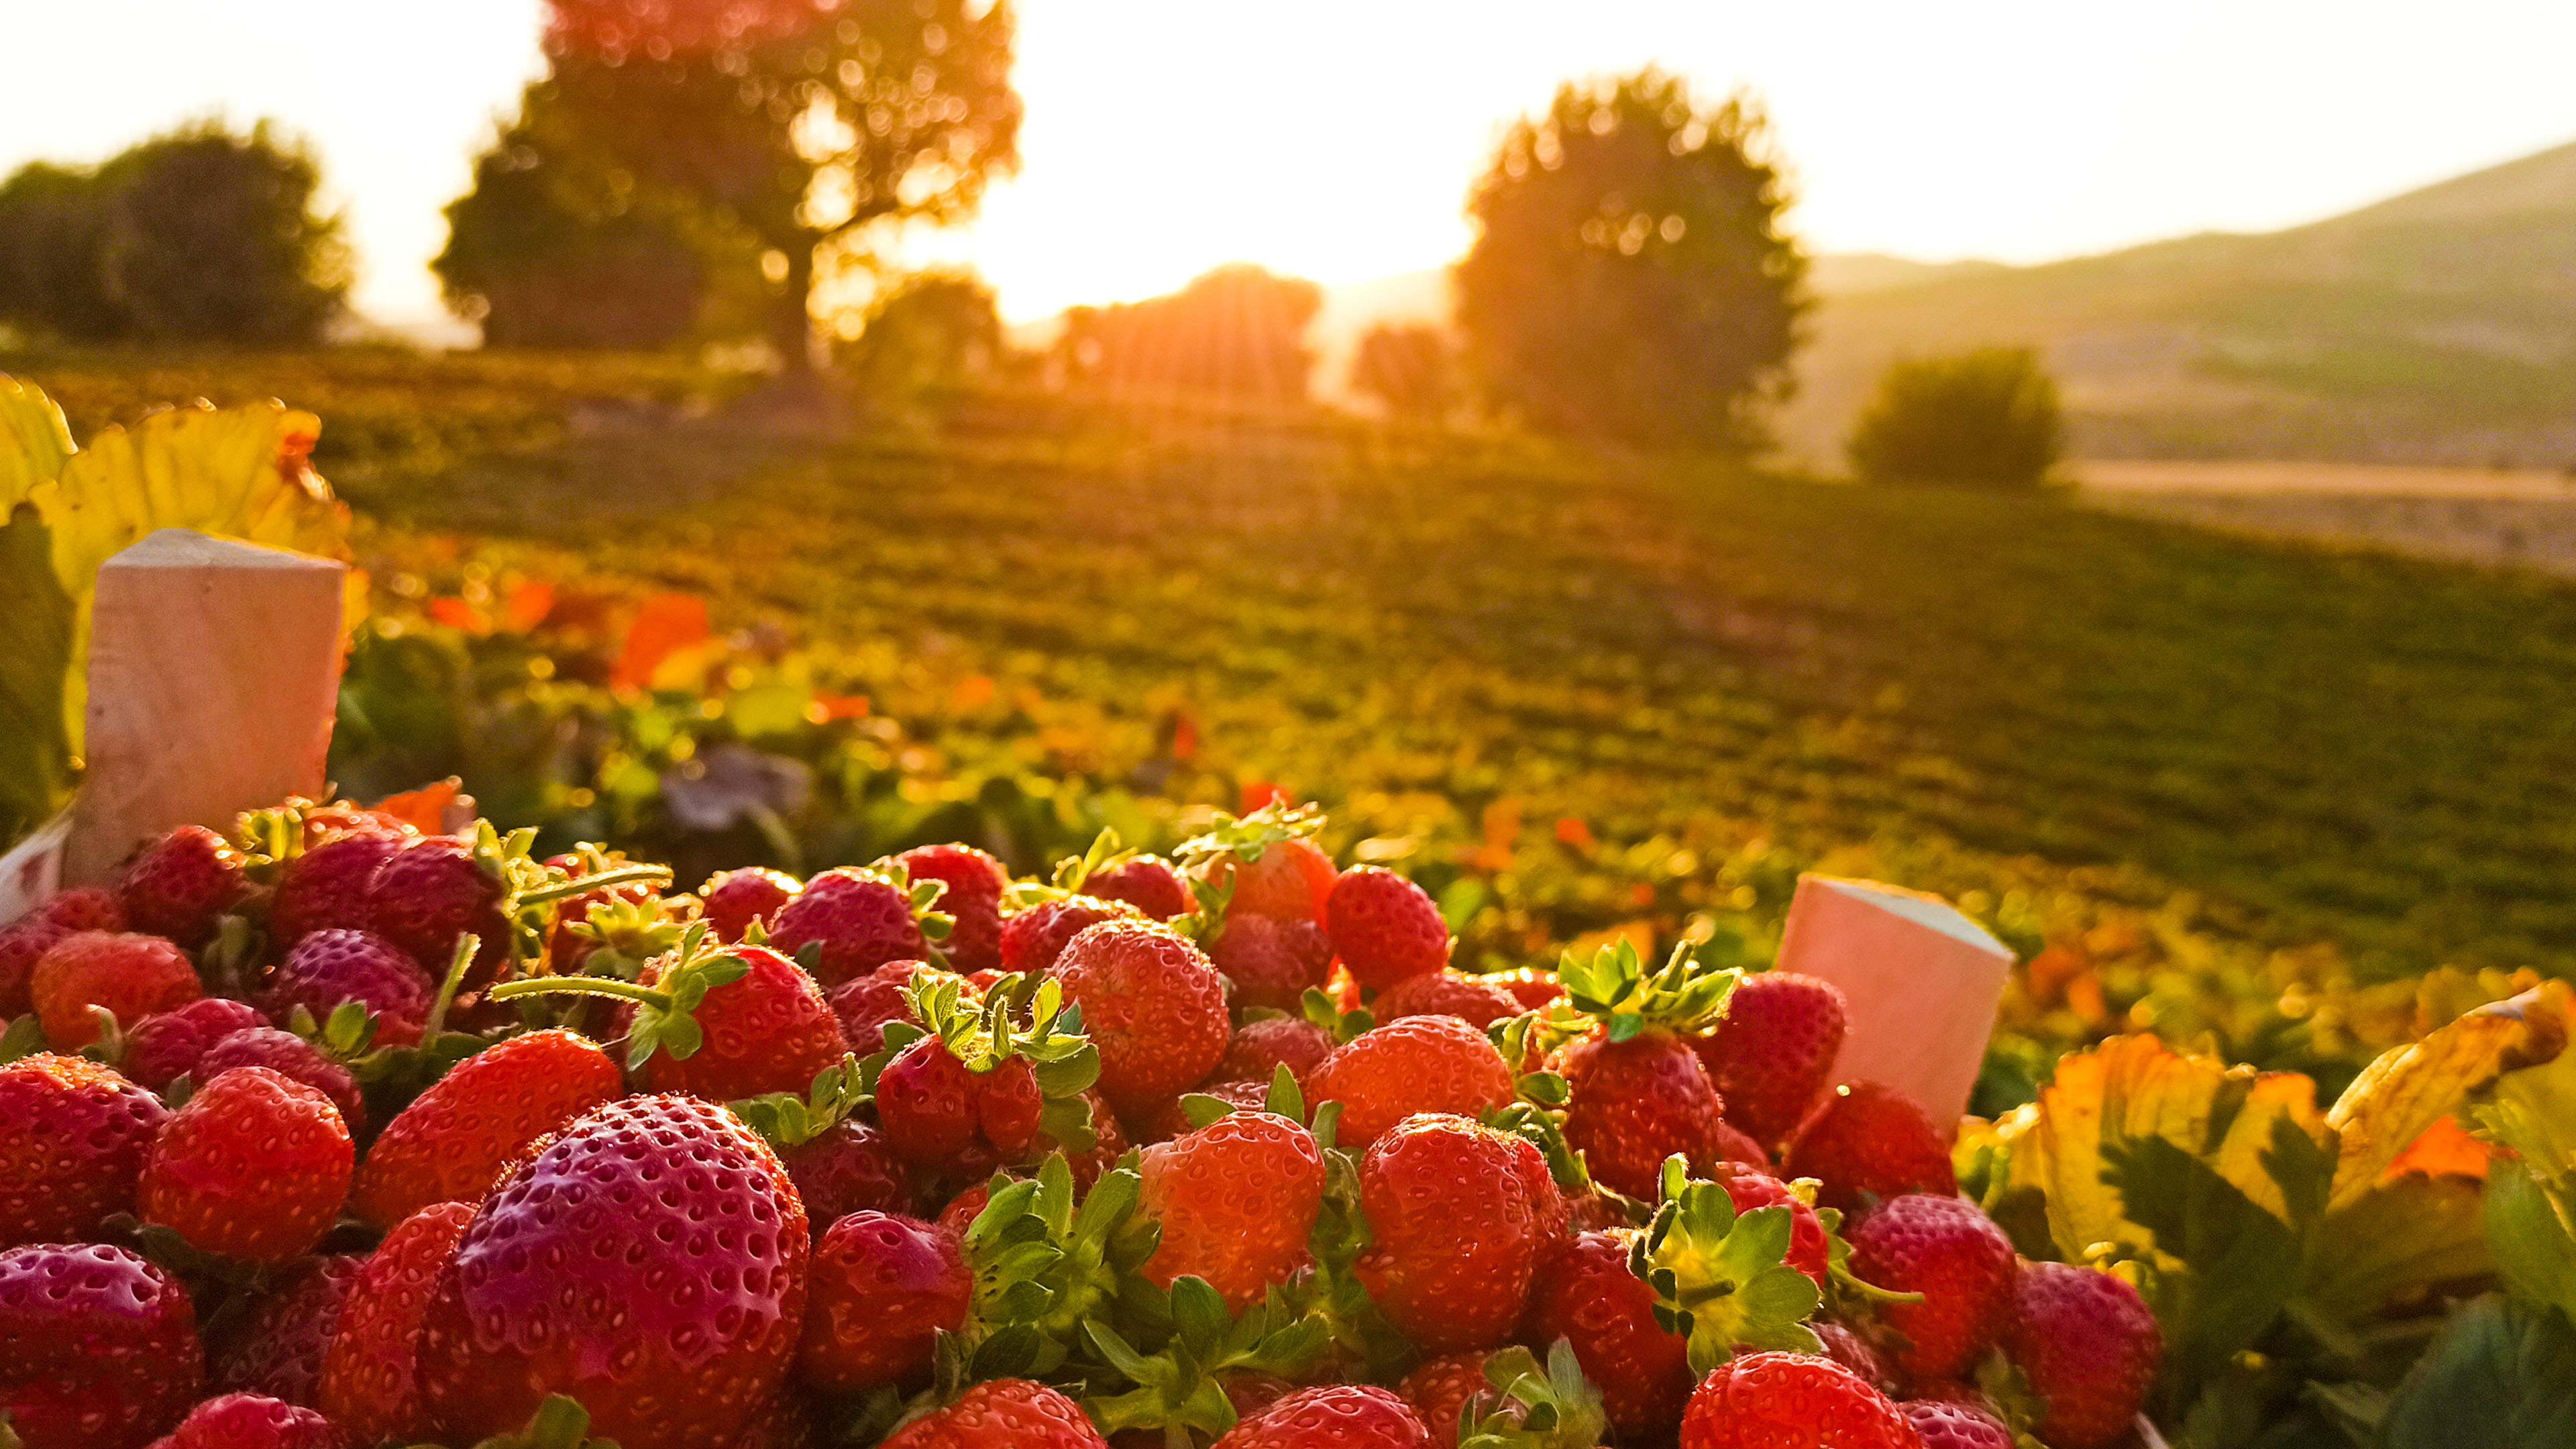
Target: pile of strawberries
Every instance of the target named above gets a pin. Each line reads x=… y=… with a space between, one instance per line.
x=333 y=1133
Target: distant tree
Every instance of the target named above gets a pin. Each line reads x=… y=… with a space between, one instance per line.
x=934 y=333
x=1987 y=418
x=1413 y=369
x=200 y=235
x=1629 y=277
x=1234 y=332
x=791 y=120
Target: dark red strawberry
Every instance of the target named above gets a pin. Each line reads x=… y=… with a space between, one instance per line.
x=1586 y=1294
x=1791 y=1401
x=866 y=1004
x=1471 y=999
x=735 y=898
x=972 y=901
x=1265 y=863
x=1385 y=928
x=129 y=974
x=933 y=1108
x=291 y=1056
x=1438 y=1389
x=98 y=1348
x=30 y=936
x=255 y=1166
x=883 y=1287
x=1855 y=1353
x=1272 y=962
x=278 y=1347
x=1332 y=1416
x=1534 y=987
x=1147 y=882
x=167 y=1044
x=250 y=1421
x=73 y=1138
x=327 y=968
x=1865 y=1142
x=1013 y=1412
x=1734 y=1146
x=569 y=1281
x=1774 y=1053
x=1419 y=1064
x=1033 y=938
x=1174 y=1118
x=1952 y=1254
x=858 y=920
x=1450 y=1258
x=847 y=1168
x=434 y=890
x=178 y=884
x=1260 y=1048
x=455 y=1138
x=1943 y=1425
x=1235 y=1199
x=325 y=888
x=1151 y=1004
x=368 y=1385
x=2088 y=1345
x=1808 y=1252
x=1636 y=1093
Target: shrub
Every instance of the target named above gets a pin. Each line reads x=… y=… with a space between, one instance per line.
x=1235 y=332
x=932 y=336
x=1987 y=419
x=1411 y=368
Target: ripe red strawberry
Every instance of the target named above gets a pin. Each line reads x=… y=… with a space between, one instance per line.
x=1013 y=1412
x=567 y=1282
x=733 y=899
x=168 y=1043
x=176 y=885
x=2087 y=1343
x=767 y=1030
x=1808 y=1252
x=1267 y=862
x=1943 y=1425
x=791 y=1419
x=1385 y=928
x=367 y=1383
x=847 y=1168
x=1854 y=1352
x=325 y=888
x=1272 y=962
x=1173 y=1120
x=433 y=890
x=98 y=1348
x=861 y=918
x=1032 y=939
x=883 y=1288
x=1952 y=1254
x=1586 y=1294
x=1535 y=988
x=1864 y=1138
x=73 y=1137
x=1734 y=1146
x=972 y=901
x=1151 y=1004
x=1236 y=1199
x=865 y=1004
x=1419 y=1064
x=1259 y=1048
x=1634 y=1100
x=255 y=1166
x=1471 y=999
x=250 y=1421
x=1147 y=882
x=1439 y=1388
x=327 y=968
x=1450 y=1257
x=294 y=1058
x=630 y=919
x=1774 y=1053
x=933 y=1109
x=27 y=938
x=130 y=974
x=1791 y=1401
x=456 y=1137
x=1332 y=1416
x=278 y=1347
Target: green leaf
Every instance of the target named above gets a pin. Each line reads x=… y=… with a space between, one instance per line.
x=2528 y=1233
x=2243 y=1263
x=24 y=1038
x=2501 y=1375
x=1202 y=1109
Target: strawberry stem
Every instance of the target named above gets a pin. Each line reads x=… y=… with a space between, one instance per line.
x=581 y=986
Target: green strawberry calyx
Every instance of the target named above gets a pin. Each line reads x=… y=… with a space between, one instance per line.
x=1528 y=1406
x=1245 y=837
x=1341 y=1025
x=1062 y=1059
x=1615 y=994
x=1179 y=1387
x=663 y=1012
x=1044 y=1267
x=788 y=1121
x=1720 y=1278
x=924 y=895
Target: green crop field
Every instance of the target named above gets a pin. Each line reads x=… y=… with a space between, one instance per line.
x=2222 y=780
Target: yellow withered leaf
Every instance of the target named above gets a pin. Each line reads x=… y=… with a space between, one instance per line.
x=2411 y=1087
x=34 y=442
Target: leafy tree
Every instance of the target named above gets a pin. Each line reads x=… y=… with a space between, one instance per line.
x=1237 y=331
x=1629 y=277
x=1987 y=418
x=200 y=235
x=1411 y=368
x=794 y=121
x=934 y=333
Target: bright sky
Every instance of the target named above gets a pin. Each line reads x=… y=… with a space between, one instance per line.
x=1335 y=138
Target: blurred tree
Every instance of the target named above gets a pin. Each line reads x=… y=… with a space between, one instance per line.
x=200 y=235
x=1629 y=277
x=930 y=337
x=793 y=121
x=1236 y=331
x=1411 y=368
x=1987 y=418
